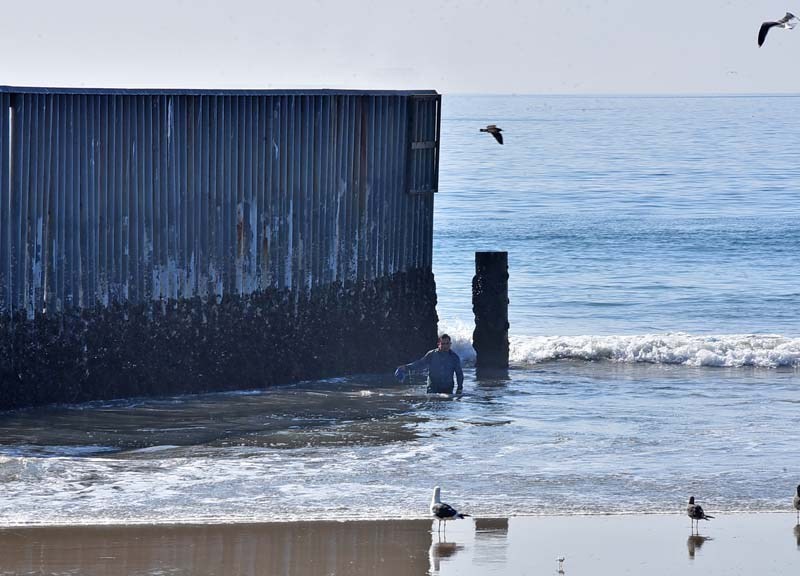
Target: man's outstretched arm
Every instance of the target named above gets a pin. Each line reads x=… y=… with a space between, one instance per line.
x=420 y=364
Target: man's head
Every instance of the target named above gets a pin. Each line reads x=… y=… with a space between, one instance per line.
x=444 y=343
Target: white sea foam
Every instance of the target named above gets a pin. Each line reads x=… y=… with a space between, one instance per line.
x=150 y=449
x=729 y=350
x=724 y=350
x=461 y=335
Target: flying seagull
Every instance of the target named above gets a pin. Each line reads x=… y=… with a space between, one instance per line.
x=695 y=512
x=442 y=511
x=796 y=502
x=789 y=21
x=494 y=131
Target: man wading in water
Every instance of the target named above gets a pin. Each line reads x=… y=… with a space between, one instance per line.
x=441 y=363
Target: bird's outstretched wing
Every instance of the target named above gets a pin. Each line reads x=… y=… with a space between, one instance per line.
x=762 y=32
x=494 y=131
x=789 y=22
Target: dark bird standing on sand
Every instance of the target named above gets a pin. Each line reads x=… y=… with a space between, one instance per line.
x=796 y=503
x=442 y=511
x=788 y=22
x=695 y=512
x=494 y=131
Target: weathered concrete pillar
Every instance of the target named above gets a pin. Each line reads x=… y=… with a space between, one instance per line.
x=490 y=305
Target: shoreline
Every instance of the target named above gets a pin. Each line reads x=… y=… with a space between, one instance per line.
x=199 y=522
x=604 y=544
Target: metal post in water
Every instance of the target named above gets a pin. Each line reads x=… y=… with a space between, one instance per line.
x=490 y=305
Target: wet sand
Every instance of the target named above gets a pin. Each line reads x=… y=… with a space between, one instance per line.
x=744 y=544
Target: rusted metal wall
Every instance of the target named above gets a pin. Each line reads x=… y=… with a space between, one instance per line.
x=126 y=197
x=158 y=242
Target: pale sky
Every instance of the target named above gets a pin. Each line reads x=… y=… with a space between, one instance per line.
x=499 y=46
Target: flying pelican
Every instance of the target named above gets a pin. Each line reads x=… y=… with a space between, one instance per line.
x=788 y=22
x=494 y=131
x=442 y=511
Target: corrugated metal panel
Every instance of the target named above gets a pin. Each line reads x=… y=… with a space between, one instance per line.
x=134 y=196
x=207 y=92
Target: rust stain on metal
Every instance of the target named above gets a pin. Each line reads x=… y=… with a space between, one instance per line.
x=240 y=244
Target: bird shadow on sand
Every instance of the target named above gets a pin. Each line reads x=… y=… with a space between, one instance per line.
x=695 y=542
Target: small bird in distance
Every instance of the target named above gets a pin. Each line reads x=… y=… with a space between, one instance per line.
x=494 y=131
x=788 y=22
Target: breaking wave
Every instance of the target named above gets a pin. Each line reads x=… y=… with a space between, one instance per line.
x=726 y=350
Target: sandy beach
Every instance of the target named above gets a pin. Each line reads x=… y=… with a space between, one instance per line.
x=746 y=544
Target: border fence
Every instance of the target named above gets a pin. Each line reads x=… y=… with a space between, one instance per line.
x=159 y=241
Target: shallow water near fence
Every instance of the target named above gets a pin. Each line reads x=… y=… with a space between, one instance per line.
x=569 y=438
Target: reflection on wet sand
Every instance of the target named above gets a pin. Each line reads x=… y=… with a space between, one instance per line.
x=797 y=535
x=395 y=548
x=597 y=545
x=491 y=526
x=441 y=550
x=491 y=542
x=695 y=542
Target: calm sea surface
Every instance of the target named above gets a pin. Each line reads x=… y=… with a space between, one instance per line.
x=654 y=252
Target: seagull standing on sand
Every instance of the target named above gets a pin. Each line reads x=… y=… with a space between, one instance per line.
x=695 y=512
x=442 y=511
x=494 y=131
x=788 y=22
x=796 y=503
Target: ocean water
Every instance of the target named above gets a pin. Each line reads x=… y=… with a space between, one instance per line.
x=654 y=254
x=625 y=216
